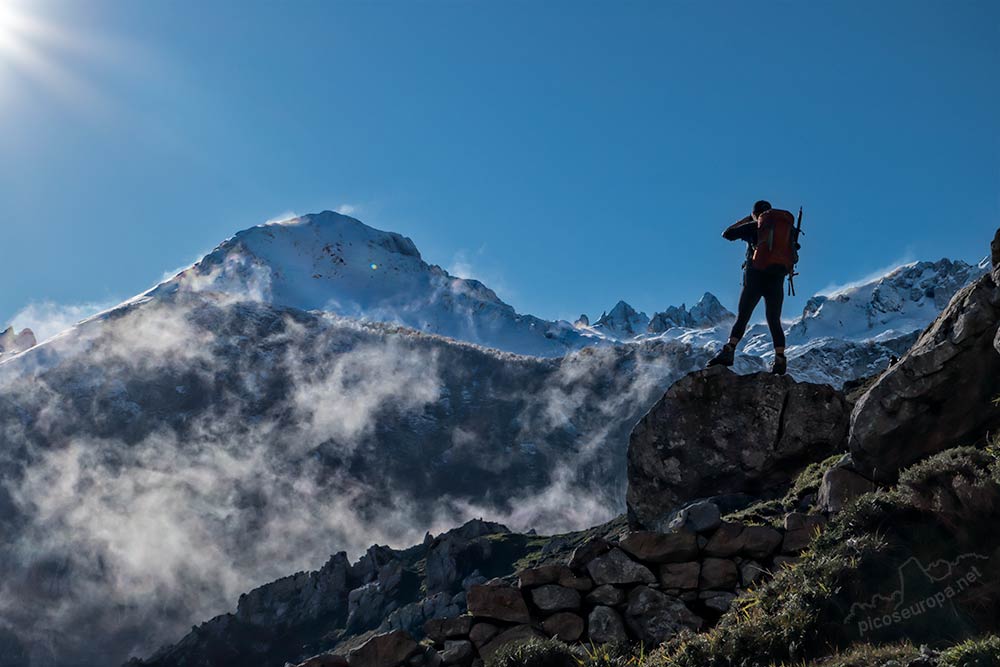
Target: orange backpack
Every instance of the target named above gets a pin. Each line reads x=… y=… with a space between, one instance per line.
x=776 y=242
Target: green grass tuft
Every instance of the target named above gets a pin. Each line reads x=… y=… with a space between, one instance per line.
x=772 y=512
x=983 y=652
x=534 y=653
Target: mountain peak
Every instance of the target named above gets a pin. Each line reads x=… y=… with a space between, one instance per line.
x=13 y=343
x=708 y=312
x=336 y=263
x=622 y=321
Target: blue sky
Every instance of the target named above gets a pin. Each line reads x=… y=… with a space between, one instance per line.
x=566 y=153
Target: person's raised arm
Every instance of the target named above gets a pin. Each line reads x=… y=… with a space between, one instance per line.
x=741 y=230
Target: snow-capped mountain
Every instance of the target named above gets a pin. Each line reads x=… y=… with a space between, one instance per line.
x=857 y=330
x=705 y=314
x=904 y=300
x=335 y=263
x=622 y=322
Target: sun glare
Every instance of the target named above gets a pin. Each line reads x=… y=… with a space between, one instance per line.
x=38 y=51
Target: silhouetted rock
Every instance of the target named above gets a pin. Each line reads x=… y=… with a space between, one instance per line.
x=555 y=598
x=940 y=394
x=615 y=567
x=680 y=575
x=655 y=617
x=387 y=650
x=565 y=625
x=718 y=573
x=607 y=595
x=674 y=547
x=728 y=540
x=456 y=651
x=701 y=516
x=995 y=257
x=605 y=625
x=760 y=541
x=715 y=432
x=841 y=484
x=440 y=629
x=498 y=602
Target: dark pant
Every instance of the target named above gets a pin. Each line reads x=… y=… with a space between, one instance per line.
x=770 y=286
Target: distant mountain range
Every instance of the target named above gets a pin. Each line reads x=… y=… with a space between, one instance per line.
x=334 y=263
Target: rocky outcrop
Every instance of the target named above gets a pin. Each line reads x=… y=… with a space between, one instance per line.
x=643 y=586
x=940 y=394
x=715 y=432
x=450 y=555
x=841 y=484
x=995 y=257
x=300 y=598
x=386 y=594
x=13 y=343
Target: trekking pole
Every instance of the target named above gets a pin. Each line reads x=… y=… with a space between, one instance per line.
x=795 y=241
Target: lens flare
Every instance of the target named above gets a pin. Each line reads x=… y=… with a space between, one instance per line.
x=374 y=266
x=42 y=51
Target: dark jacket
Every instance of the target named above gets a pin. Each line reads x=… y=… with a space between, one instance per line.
x=746 y=230
x=743 y=230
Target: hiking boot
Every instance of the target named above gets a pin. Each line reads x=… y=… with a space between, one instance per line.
x=780 y=364
x=724 y=358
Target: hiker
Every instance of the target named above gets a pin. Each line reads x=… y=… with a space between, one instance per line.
x=769 y=233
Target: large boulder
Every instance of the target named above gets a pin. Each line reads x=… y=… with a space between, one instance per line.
x=655 y=617
x=498 y=602
x=841 y=484
x=615 y=567
x=715 y=432
x=565 y=625
x=606 y=625
x=551 y=597
x=995 y=255
x=940 y=394
x=440 y=629
x=385 y=650
x=673 y=547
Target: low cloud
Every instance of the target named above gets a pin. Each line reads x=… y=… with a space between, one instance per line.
x=285 y=217
x=834 y=289
x=195 y=446
x=47 y=318
x=460 y=266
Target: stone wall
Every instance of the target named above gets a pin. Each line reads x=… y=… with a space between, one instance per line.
x=645 y=586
